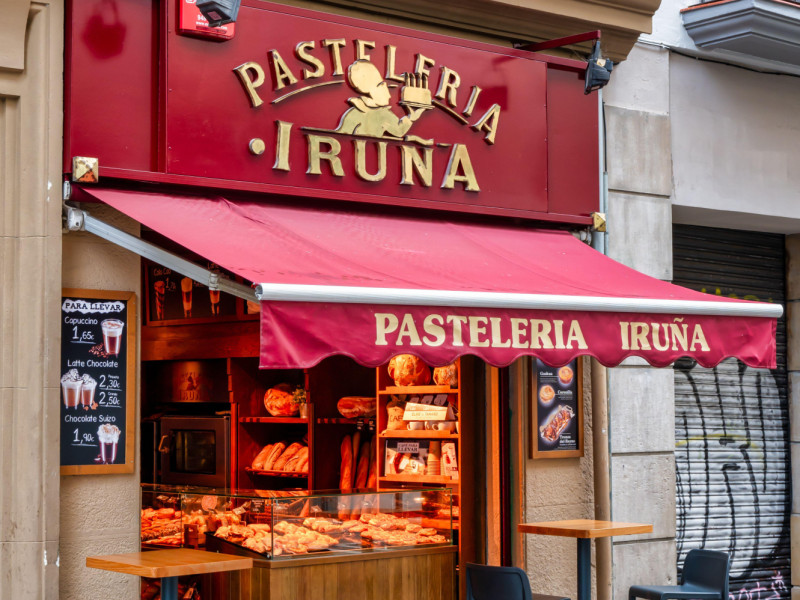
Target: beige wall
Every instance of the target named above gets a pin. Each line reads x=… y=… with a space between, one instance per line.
x=31 y=46
x=556 y=489
x=100 y=513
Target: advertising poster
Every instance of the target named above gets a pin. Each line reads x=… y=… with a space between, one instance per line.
x=557 y=424
x=97 y=377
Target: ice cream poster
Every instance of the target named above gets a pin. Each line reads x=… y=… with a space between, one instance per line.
x=96 y=382
x=557 y=415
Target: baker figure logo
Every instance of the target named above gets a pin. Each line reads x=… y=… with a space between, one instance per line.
x=371 y=114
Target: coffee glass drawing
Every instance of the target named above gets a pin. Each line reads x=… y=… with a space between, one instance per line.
x=112 y=336
x=186 y=295
x=159 y=287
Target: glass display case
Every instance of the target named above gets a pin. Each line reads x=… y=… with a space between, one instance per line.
x=283 y=524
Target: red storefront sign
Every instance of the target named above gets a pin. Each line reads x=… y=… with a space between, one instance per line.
x=303 y=103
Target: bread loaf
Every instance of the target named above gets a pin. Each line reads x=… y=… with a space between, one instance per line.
x=279 y=401
x=372 y=477
x=346 y=470
x=352 y=407
x=362 y=470
x=447 y=375
x=302 y=461
x=407 y=369
x=273 y=456
x=261 y=457
x=285 y=456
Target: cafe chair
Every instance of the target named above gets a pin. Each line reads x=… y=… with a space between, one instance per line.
x=704 y=577
x=507 y=583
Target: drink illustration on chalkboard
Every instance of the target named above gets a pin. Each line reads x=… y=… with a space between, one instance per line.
x=108 y=435
x=87 y=392
x=214 y=297
x=71 y=383
x=160 y=288
x=112 y=336
x=186 y=294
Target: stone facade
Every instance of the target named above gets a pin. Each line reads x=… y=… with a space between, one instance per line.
x=31 y=47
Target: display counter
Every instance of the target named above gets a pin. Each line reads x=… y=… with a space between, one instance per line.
x=312 y=544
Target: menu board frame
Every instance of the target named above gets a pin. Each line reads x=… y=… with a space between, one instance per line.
x=131 y=354
x=543 y=374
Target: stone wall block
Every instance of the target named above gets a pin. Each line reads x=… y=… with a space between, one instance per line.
x=793 y=334
x=643 y=563
x=794 y=407
x=641 y=82
x=643 y=491
x=793 y=267
x=642 y=409
x=638 y=151
x=640 y=233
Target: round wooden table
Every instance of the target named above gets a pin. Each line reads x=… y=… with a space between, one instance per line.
x=584 y=530
x=168 y=565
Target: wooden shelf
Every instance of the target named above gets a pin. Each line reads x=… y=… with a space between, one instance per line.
x=276 y=473
x=285 y=420
x=343 y=421
x=439 y=523
x=428 y=479
x=420 y=434
x=418 y=389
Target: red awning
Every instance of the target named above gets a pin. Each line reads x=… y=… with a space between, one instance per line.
x=371 y=286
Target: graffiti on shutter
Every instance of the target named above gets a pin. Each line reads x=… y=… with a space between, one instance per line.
x=731 y=424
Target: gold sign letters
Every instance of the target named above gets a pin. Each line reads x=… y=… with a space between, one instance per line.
x=370 y=122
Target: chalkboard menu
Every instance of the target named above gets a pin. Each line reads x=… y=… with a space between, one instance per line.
x=173 y=298
x=97 y=399
x=557 y=423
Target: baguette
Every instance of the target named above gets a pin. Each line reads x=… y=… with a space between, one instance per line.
x=372 y=477
x=346 y=471
x=285 y=456
x=274 y=454
x=258 y=461
x=362 y=470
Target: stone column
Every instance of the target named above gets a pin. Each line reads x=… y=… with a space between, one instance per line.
x=641 y=398
x=31 y=56
x=793 y=365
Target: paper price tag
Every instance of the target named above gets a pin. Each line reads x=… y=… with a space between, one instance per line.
x=424 y=412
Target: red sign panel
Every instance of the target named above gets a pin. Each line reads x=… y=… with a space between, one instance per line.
x=302 y=103
x=322 y=103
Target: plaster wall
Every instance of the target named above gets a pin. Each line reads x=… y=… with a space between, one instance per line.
x=735 y=138
x=100 y=513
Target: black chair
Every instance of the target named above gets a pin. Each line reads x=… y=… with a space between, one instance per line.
x=704 y=577
x=501 y=583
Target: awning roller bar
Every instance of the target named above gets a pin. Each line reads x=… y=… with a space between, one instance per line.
x=81 y=220
x=417 y=297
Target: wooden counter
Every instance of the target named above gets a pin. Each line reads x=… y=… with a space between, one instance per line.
x=414 y=574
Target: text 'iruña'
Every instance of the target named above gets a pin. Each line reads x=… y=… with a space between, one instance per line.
x=324 y=146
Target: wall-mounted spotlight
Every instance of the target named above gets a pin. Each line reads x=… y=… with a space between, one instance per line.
x=219 y=12
x=598 y=70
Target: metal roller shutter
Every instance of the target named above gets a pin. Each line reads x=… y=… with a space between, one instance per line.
x=732 y=422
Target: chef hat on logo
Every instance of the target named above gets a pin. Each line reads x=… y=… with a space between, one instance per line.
x=363 y=76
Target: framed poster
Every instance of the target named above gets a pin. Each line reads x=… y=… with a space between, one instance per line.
x=98 y=381
x=557 y=411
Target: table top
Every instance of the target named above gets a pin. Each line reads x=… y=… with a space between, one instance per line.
x=584 y=528
x=169 y=563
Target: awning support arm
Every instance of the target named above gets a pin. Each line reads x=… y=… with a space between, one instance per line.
x=77 y=219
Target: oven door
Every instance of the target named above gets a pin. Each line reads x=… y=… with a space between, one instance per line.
x=195 y=451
